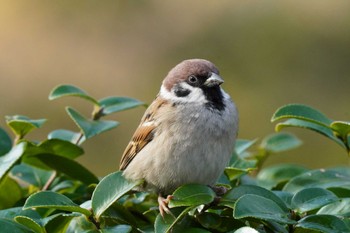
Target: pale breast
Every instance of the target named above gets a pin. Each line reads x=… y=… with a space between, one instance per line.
x=182 y=152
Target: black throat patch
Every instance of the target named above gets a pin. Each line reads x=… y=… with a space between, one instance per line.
x=214 y=97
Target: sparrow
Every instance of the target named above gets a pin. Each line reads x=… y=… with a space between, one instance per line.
x=186 y=135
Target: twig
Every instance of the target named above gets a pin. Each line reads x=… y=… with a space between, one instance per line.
x=49 y=181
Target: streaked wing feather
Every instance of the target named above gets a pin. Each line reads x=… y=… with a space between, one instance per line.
x=143 y=134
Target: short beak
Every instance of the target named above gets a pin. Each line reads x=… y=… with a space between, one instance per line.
x=213 y=80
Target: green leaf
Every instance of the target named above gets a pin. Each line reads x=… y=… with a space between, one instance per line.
x=52 y=200
x=192 y=195
x=18 y=211
x=22 y=125
x=312 y=198
x=242 y=145
x=67 y=166
x=273 y=176
x=338 y=208
x=62 y=148
x=169 y=222
x=286 y=197
x=209 y=220
x=254 y=206
x=230 y=198
x=30 y=223
x=31 y=175
x=116 y=104
x=10 y=193
x=302 y=112
x=109 y=190
x=318 y=178
x=10 y=159
x=323 y=223
x=90 y=128
x=119 y=213
x=279 y=142
x=5 y=142
x=13 y=227
x=217 y=223
x=67 y=135
x=325 y=131
x=119 y=229
x=58 y=223
x=233 y=173
x=162 y=225
x=70 y=90
x=342 y=128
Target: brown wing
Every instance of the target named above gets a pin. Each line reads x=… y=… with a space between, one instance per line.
x=143 y=134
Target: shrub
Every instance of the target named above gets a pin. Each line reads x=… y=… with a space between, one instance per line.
x=44 y=189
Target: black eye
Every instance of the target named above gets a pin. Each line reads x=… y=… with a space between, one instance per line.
x=193 y=79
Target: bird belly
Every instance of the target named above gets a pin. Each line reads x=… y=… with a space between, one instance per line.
x=192 y=156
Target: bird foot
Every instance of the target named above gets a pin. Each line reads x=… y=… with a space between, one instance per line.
x=163 y=205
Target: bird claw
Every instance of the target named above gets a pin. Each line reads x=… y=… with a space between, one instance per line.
x=163 y=205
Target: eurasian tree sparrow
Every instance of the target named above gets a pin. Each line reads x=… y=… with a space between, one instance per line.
x=186 y=135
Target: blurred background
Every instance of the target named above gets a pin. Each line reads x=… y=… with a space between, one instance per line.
x=270 y=53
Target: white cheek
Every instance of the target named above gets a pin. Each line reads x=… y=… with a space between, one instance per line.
x=196 y=95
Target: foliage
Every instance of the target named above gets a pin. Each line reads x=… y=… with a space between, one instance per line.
x=44 y=189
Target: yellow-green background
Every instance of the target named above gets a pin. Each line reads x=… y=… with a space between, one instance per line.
x=270 y=53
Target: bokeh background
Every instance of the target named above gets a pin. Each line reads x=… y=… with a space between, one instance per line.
x=270 y=53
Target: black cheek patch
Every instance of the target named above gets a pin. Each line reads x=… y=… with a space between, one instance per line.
x=181 y=92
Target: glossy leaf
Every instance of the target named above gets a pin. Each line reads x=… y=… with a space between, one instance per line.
x=109 y=190
x=218 y=223
x=230 y=198
x=18 y=211
x=312 y=198
x=90 y=128
x=62 y=148
x=192 y=195
x=22 y=125
x=70 y=90
x=52 y=200
x=119 y=213
x=318 y=178
x=30 y=223
x=10 y=193
x=5 y=142
x=31 y=175
x=242 y=145
x=118 y=228
x=67 y=166
x=254 y=206
x=162 y=225
x=273 y=176
x=233 y=173
x=116 y=104
x=10 y=159
x=58 y=223
x=67 y=135
x=13 y=227
x=303 y=112
x=338 y=208
x=323 y=223
x=342 y=128
x=286 y=197
x=325 y=131
x=279 y=142
x=169 y=222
